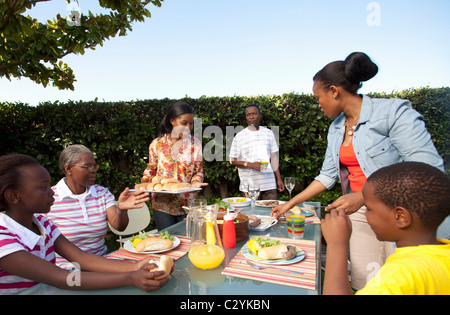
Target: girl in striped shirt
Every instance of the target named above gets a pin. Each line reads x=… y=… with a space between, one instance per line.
x=29 y=241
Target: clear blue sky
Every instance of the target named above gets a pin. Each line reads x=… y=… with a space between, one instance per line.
x=251 y=47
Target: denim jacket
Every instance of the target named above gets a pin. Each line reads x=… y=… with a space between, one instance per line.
x=388 y=131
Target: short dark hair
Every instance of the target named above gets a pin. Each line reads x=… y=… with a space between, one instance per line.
x=9 y=174
x=252 y=105
x=416 y=186
x=349 y=73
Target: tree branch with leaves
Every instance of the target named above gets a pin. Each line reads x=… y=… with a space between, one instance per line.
x=35 y=50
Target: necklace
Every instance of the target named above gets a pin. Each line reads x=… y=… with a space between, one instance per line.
x=352 y=130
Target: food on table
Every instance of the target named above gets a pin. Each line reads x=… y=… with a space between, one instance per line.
x=253 y=220
x=167 y=236
x=165 y=264
x=143 y=243
x=153 y=244
x=281 y=251
x=224 y=206
x=270 y=203
x=255 y=244
x=237 y=200
x=266 y=248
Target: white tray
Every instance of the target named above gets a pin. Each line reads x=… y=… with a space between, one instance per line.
x=182 y=191
x=266 y=222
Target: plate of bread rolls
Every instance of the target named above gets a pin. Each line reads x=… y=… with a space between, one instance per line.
x=165 y=185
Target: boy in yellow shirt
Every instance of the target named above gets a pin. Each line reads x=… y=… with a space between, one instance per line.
x=406 y=203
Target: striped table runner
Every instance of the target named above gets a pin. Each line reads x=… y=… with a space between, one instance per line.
x=176 y=253
x=239 y=268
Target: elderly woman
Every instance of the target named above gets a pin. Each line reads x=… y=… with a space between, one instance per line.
x=82 y=209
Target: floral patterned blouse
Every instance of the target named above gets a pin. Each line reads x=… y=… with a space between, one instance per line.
x=181 y=160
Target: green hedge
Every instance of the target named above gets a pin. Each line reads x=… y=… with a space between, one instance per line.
x=120 y=132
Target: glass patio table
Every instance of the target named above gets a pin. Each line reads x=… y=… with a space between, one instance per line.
x=187 y=279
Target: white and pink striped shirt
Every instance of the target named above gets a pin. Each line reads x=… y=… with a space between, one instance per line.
x=15 y=237
x=82 y=218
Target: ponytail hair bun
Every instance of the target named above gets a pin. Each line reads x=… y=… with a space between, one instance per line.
x=348 y=74
x=176 y=109
x=359 y=67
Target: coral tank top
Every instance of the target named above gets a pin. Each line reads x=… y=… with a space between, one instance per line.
x=347 y=157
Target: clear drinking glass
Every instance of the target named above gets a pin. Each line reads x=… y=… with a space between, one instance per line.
x=289 y=183
x=253 y=193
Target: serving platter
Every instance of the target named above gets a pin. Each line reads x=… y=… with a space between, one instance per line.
x=181 y=191
x=234 y=201
x=260 y=203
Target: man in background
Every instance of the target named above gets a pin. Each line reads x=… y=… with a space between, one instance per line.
x=255 y=152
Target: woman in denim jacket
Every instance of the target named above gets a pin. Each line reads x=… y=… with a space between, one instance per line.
x=366 y=135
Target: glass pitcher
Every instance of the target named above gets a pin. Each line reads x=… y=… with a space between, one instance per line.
x=193 y=206
x=206 y=250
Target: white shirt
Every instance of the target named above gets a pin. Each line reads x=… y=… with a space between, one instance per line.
x=255 y=146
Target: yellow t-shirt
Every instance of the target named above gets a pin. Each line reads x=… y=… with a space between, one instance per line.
x=413 y=270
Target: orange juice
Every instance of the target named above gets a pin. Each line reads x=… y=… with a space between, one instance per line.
x=207 y=256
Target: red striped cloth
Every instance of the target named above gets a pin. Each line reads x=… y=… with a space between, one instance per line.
x=238 y=267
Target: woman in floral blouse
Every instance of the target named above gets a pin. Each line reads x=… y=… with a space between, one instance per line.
x=174 y=153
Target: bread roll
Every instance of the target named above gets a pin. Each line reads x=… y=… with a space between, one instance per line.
x=272 y=252
x=281 y=251
x=169 y=186
x=141 y=186
x=182 y=186
x=168 y=180
x=153 y=244
x=158 y=187
x=150 y=186
x=296 y=210
x=156 y=179
x=165 y=263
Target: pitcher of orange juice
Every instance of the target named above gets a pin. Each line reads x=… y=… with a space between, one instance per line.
x=206 y=250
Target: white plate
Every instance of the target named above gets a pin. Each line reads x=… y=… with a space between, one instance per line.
x=266 y=222
x=170 y=192
x=232 y=201
x=260 y=205
x=300 y=255
x=129 y=247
